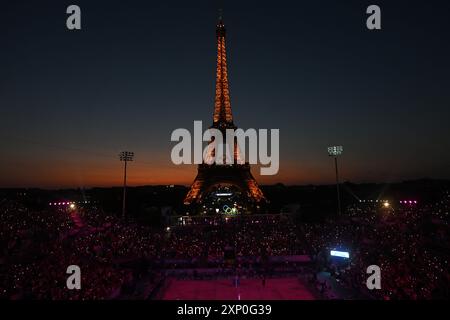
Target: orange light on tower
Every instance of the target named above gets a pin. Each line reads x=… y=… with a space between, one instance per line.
x=222 y=106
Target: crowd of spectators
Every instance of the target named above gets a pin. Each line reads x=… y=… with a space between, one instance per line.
x=38 y=246
x=408 y=242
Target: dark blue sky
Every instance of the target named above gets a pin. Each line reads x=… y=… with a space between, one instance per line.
x=71 y=100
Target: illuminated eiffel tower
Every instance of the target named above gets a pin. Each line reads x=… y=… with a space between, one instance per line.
x=224 y=185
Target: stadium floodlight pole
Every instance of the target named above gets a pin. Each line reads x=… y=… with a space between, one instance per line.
x=125 y=156
x=336 y=151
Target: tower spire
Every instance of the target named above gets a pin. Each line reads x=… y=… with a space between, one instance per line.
x=222 y=107
x=220 y=14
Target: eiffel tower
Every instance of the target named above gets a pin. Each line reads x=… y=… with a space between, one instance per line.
x=224 y=185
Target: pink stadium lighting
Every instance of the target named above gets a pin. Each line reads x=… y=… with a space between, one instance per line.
x=415 y=201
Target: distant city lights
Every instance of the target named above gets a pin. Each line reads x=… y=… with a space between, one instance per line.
x=387 y=203
x=371 y=201
x=71 y=204
x=408 y=201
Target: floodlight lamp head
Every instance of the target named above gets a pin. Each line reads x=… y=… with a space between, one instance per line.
x=335 y=151
x=126 y=156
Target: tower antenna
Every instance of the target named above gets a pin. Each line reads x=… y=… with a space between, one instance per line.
x=220 y=5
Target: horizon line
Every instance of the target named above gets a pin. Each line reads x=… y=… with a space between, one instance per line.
x=262 y=185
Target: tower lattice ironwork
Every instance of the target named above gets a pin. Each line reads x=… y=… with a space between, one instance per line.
x=222 y=106
x=237 y=174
